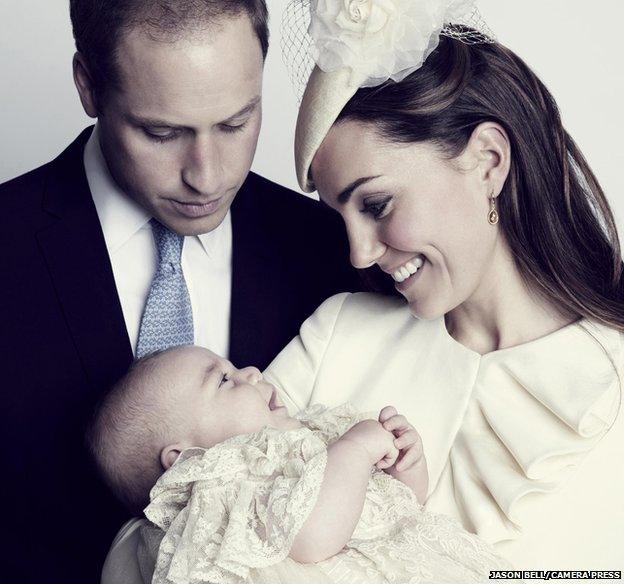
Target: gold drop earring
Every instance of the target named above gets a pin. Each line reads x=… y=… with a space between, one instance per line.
x=493 y=214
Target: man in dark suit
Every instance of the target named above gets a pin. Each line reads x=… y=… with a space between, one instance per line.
x=176 y=90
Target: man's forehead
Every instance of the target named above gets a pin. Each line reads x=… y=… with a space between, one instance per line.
x=229 y=41
x=215 y=77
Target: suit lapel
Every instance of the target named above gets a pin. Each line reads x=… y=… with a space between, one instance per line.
x=75 y=252
x=255 y=284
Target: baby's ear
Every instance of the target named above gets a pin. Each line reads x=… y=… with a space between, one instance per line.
x=169 y=454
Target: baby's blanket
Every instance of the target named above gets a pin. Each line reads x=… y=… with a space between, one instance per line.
x=231 y=513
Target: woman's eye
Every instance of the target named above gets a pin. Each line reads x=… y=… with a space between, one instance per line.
x=223 y=379
x=377 y=209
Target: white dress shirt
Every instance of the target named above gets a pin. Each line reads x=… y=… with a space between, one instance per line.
x=206 y=258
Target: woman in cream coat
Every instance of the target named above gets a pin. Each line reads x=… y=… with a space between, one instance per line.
x=506 y=348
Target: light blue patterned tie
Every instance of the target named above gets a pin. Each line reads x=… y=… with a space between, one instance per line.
x=168 y=318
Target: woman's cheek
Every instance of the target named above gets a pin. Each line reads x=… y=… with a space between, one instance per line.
x=403 y=233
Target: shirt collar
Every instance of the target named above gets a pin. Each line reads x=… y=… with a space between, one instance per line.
x=218 y=243
x=121 y=217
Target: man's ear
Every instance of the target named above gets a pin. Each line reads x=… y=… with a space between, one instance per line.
x=85 y=86
x=169 y=454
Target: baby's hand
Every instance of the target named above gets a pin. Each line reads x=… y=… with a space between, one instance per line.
x=411 y=465
x=375 y=440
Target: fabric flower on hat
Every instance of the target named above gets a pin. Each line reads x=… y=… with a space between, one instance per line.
x=379 y=39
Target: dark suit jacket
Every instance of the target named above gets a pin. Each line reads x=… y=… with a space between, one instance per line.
x=63 y=342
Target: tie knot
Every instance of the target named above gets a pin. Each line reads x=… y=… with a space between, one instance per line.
x=168 y=244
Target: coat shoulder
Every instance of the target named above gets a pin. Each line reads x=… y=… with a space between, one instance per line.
x=298 y=232
x=26 y=190
x=293 y=213
x=30 y=182
x=22 y=202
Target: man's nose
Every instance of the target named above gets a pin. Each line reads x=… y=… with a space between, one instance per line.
x=202 y=170
x=365 y=246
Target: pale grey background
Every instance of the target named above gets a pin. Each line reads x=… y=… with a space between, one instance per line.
x=572 y=44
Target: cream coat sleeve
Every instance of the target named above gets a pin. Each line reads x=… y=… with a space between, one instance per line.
x=294 y=370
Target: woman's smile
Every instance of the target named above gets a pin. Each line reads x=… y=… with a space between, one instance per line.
x=403 y=284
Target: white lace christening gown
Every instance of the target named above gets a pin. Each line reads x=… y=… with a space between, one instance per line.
x=230 y=514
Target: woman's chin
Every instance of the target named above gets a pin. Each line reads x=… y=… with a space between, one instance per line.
x=424 y=309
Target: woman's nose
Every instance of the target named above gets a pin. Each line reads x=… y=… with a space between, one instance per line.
x=365 y=247
x=249 y=375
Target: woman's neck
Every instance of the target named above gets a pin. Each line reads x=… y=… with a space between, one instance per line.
x=503 y=312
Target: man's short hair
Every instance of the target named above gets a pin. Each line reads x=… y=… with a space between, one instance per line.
x=99 y=26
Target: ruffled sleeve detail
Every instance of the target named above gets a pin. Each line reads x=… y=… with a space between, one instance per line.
x=536 y=411
x=236 y=506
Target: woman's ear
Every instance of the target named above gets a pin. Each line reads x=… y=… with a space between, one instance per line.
x=490 y=144
x=169 y=454
x=85 y=86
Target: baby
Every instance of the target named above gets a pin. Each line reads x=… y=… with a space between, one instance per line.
x=242 y=492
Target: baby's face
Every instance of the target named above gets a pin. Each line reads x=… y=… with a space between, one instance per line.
x=217 y=401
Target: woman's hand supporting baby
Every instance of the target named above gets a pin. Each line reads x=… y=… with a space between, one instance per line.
x=391 y=444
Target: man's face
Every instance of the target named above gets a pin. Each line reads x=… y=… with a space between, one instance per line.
x=180 y=134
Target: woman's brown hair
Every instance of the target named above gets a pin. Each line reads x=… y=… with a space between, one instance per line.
x=553 y=213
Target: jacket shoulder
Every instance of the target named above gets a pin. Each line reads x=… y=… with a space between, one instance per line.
x=291 y=210
x=305 y=234
x=21 y=199
x=33 y=180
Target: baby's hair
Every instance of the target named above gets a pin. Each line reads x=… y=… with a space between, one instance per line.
x=125 y=433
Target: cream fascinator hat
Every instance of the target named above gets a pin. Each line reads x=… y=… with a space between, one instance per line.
x=334 y=47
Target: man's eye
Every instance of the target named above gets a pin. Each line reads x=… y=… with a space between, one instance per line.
x=160 y=136
x=223 y=379
x=232 y=128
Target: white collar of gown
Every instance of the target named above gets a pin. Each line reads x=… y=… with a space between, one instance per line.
x=535 y=410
